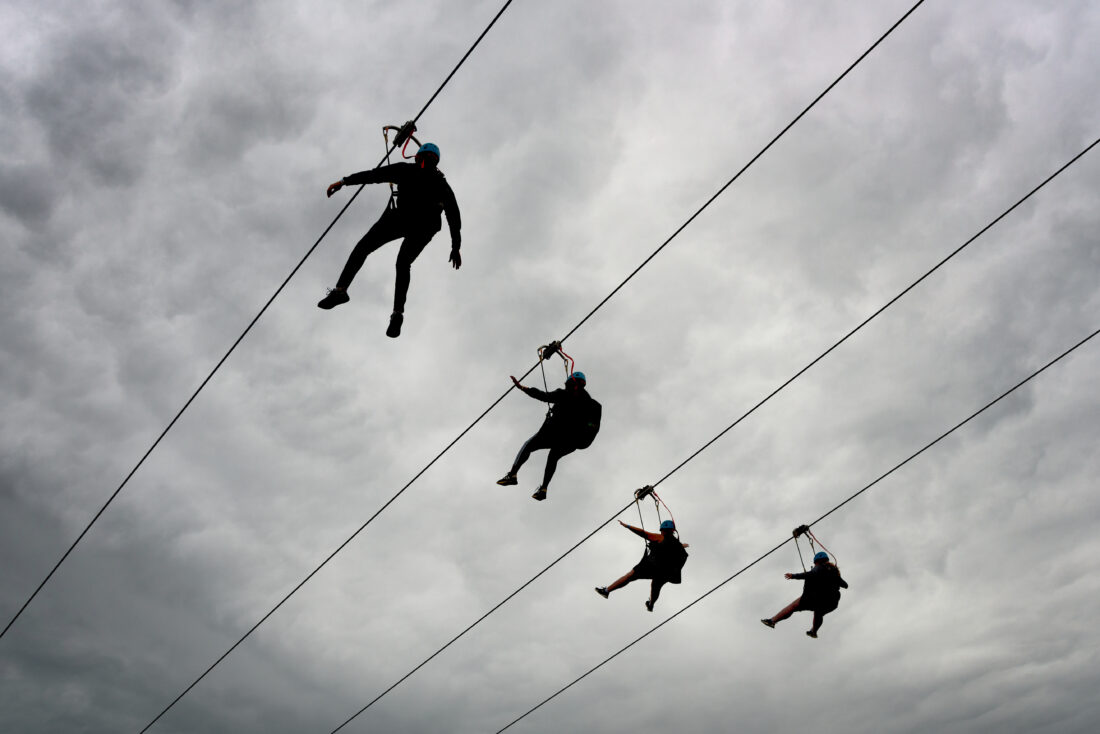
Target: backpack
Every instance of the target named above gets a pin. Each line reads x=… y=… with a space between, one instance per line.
x=588 y=424
x=669 y=557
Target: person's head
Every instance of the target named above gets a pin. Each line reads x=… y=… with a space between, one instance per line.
x=576 y=381
x=427 y=156
x=668 y=527
x=821 y=557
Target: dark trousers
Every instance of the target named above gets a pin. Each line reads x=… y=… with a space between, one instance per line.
x=388 y=228
x=546 y=438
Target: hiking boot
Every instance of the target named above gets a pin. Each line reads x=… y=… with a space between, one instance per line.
x=508 y=480
x=649 y=606
x=602 y=591
x=335 y=297
x=394 y=330
x=768 y=623
x=540 y=494
x=811 y=633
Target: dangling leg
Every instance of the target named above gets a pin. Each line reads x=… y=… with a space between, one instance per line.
x=654 y=592
x=622 y=581
x=819 y=617
x=556 y=452
x=786 y=612
x=386 y=229
x=411 y=248
x=618 y=583
x=536 y=442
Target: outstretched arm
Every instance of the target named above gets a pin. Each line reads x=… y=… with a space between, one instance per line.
x=655 y=537
x=546 y=397
x=382 y=174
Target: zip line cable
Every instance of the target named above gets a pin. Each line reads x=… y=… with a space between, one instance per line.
x=747 y=165
x=243 y=334
x=176 y=418
x=310 y=252
x=572 y=331
x=726 y=430
x=920 y=451
x=240 y=338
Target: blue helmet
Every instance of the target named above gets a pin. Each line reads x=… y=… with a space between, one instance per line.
x=821 y=556
x=668 y=525
x=431 y=148
x=578 y=376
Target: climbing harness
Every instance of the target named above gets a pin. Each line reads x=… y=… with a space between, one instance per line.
x=401 y=139
x=812 y=540
x=667 y=557
x=546 y=352
x=648 y=491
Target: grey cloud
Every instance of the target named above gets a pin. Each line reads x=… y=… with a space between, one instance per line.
x=26 y=195
x=91 y=91
x=577 y=138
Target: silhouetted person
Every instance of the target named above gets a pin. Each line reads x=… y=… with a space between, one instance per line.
x=663 y=559
x=422 y=194
x=820 y=593
x=571 y=425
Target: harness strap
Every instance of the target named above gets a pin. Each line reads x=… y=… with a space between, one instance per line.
x=814 y=538
x=545 y=387
x=657 y=498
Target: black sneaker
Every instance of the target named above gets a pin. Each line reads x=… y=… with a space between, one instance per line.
x=649 y=606
x=508 y=480
x=540 y=494
x=768 y=623
x=602 y=591
x=811 y=633
x=395 y=325
x=334 y=298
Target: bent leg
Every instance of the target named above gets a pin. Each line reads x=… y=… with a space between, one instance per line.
x=655 y=590
x=386 y=229
x=536 y=442
x=625 y=579
x=787 y=611
x=556 y=452
x=411 y=248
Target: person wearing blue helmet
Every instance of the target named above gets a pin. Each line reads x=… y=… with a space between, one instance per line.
x=821 y=587
x=663 y=559
x=571 y=423
x=413 y=213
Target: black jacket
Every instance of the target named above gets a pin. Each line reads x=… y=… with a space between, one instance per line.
x=821 y=586
x=570 y=406
x=422 y=194
x=668 y=556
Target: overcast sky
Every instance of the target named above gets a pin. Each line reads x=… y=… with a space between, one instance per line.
x=163 y=169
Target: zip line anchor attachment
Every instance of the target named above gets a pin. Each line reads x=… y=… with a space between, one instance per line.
x=641 y=494
x=548 y=351
x=404 y=133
